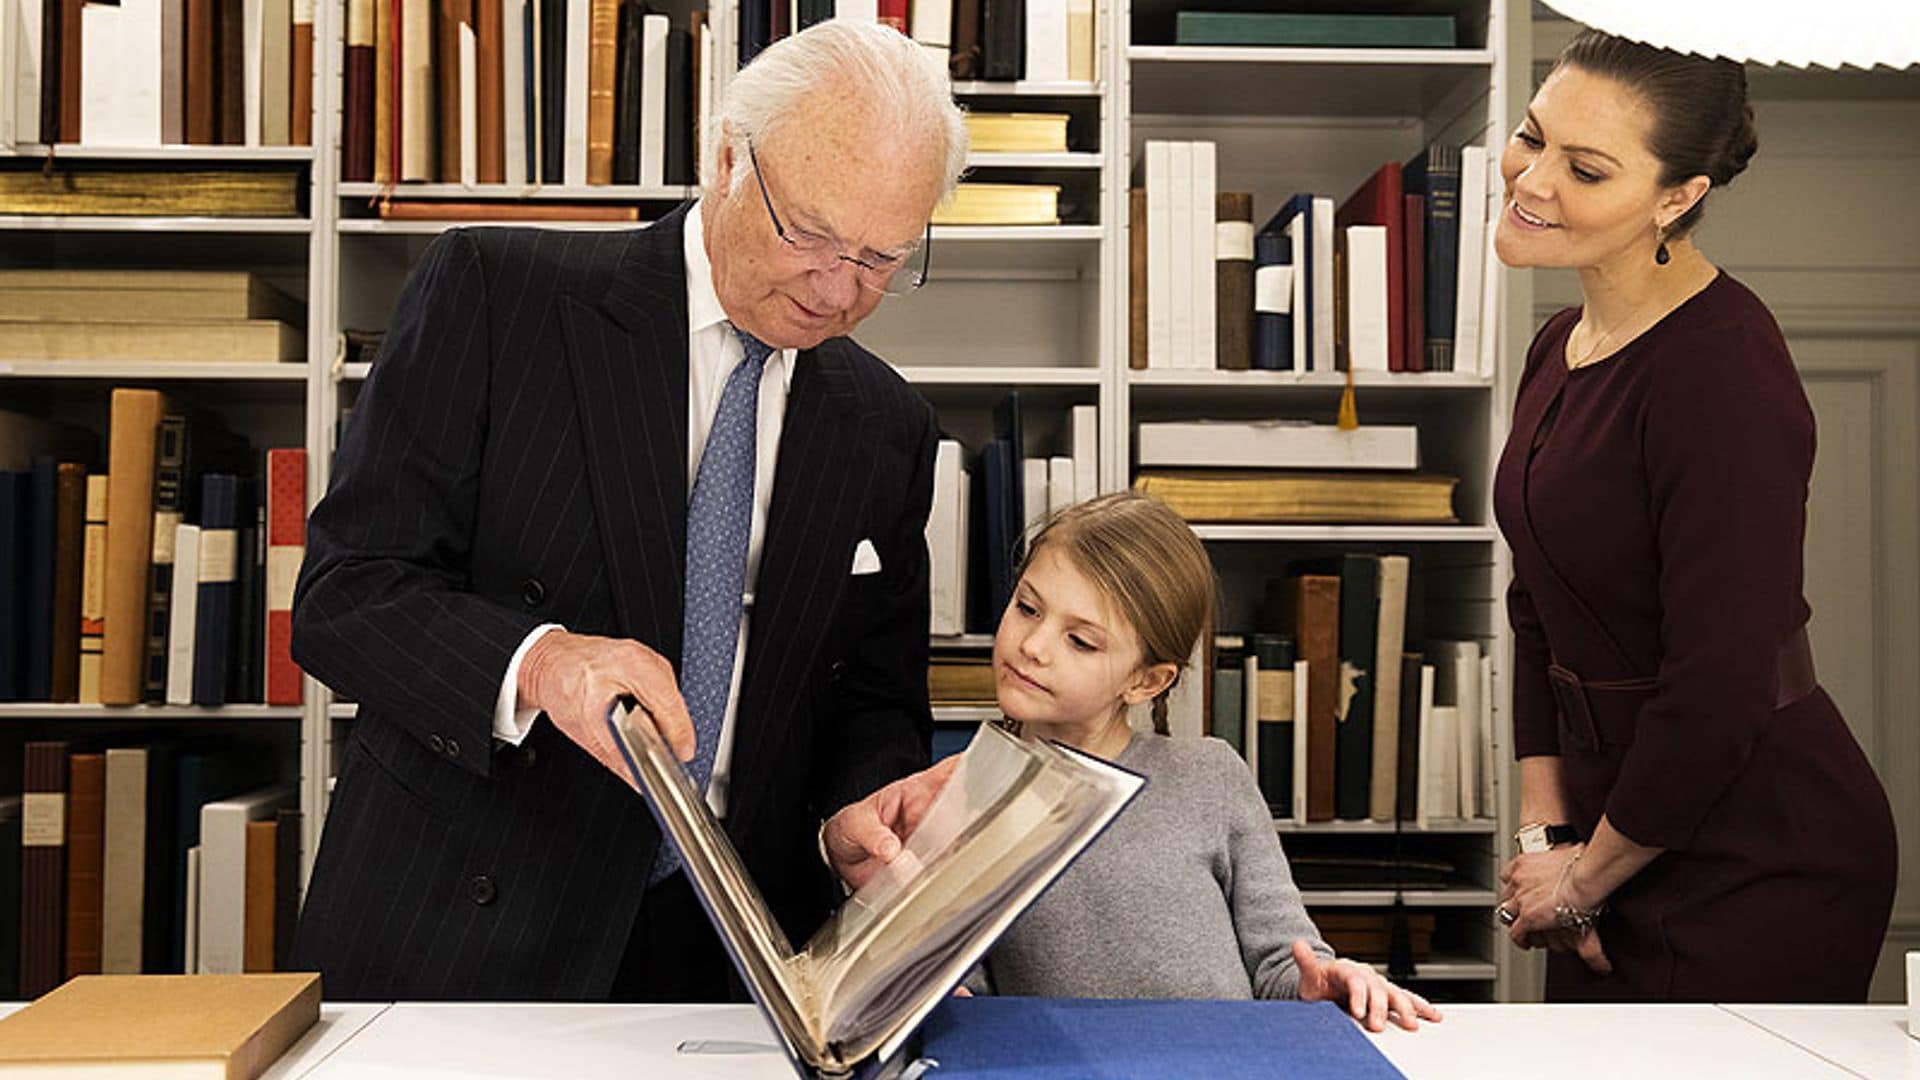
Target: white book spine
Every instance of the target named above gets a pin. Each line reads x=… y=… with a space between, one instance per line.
x=1059 y=484
x=23 y=30
x=1446 y=778
x=1466 y=678
x=1322 y=285
x=1250 y=715
x=173 y=75
x=1266 y=444
x=513 y=82
x=120 y=74
x=1180 y=247
x=1033 y=492
x=931 y=24
x=1470 y=270
x=1159 y=254
x=943 y=523
x=1300 y=741
x=253 y=52
x=1046 y=40
x=1298 y=230
x=1205 y=172
x=184 y=615
x=1489 y=757
x=1367 y=326
x=1082 y=35
x=416 y=90
x=1086 y=452
x=223 y=875
x=860 y=10
x=653 y=101
x=536 y=123
x=276 y=72
x=1428 y=787
x=123 y=873
x=578 y=45
x=703 y=93
x=469 y=107
x=9 y=21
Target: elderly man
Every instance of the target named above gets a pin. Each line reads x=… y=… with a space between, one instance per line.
x=647 y=464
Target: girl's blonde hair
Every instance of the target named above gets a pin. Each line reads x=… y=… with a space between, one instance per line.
x=1146 y=560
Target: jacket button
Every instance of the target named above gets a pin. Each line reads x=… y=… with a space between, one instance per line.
x=438 y=744
x=482 y=890
x=525 y=757
x=533 y=592
x=453 y=748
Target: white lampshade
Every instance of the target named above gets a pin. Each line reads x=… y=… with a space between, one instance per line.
x=1829 y=33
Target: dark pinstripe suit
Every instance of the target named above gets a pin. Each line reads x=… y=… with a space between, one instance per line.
x=518 y=457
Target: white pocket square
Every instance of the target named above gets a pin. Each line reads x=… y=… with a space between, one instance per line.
x=865 y=559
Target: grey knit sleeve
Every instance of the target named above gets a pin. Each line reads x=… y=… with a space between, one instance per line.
x=1267 y=911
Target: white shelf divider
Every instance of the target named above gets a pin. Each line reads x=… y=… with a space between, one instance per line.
x=153 y=370
x=291 y=226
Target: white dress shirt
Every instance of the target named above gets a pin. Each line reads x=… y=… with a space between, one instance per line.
x=712 y=353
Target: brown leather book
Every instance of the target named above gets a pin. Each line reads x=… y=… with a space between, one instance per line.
x=203 y=84
x=449 y=17
x=1307 y=606
x=43 y=868
x=490 y=92
x=86 y=847
x=408 y=210
x=603 y=35
x=69 y=70
x=258 y=954
x=1233 y=281
x=964 y=61
x=69 y=558
x=357 y=109
x=301 y=111
x=1137 y=279
x=135 y=418
x=386 y=119
x=230 y=67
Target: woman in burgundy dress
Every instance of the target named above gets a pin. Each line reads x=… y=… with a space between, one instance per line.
x=1700 y=824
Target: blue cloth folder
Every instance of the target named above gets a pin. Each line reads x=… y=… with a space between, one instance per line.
x=1008 y=1037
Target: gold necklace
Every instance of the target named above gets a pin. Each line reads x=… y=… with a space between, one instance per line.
x=1594 y=352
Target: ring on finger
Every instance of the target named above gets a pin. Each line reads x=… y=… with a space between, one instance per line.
x=1505 y=914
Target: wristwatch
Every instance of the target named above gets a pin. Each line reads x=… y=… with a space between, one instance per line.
x=1539 y=836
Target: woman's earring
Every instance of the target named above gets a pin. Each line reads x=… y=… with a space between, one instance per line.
x=1661 y=256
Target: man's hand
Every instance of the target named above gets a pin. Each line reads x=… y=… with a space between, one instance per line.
x=871 y=833
x=575 y=679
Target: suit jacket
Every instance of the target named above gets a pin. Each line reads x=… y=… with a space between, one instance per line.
x=519 y=456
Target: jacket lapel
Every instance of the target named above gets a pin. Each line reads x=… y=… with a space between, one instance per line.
x=627 y=351
x=814 y=521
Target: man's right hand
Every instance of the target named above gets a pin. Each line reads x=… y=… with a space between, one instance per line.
x=576 y=678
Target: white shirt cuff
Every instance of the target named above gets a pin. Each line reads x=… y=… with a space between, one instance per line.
x=510 y=722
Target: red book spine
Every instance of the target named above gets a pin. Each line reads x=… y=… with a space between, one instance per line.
x=286 y=546
x=894 y=13
x=1413 y=328
x=1379 y=202
x=356 y=138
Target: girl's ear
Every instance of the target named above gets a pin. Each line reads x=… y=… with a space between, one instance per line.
x=1148 y=682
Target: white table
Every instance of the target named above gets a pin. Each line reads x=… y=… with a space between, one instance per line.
x=422 y=1041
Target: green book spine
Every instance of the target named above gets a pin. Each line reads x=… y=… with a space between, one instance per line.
x=1341 y=31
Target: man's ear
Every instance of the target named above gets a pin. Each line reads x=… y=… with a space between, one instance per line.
x=1148 y=682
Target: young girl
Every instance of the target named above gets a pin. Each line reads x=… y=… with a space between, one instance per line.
x=1187 y=894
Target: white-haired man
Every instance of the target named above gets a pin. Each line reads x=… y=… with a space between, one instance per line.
x=645 y=464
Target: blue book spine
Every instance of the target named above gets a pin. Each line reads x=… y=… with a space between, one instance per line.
x=531 y=88
x=219 y=565
x=1000 y=467
x=13 y=582
x=43 y=527
x=1272 y=314
x=1436 y=174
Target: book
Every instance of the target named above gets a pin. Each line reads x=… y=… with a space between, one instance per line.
x=653 y=100
x=1016 y=132
x=1379 y=202
x=602 y=53
x=177 y=1026
x=184 y=616
x=86 y=848
x=275 y=72
x=258 y=901
x=223 y=875
x=1138 y=327
x=947 y=540
x=81 y=190
x=1307 y=608
x=1234 y=270
x=43 y=868
x=128 y=295
x=442 y=210
x=132 y=445
x=234 y=341
x=69 y=555
x=1241 y=496
x=1010 y=819
x=93 y=591
x=1301 y=30
x=357 y=117
x=626 y=94
x=10 y=853
x=14 y=583
x=1435 y=175
x=1389 y=645
x=1276 y=444
x=286 y=500
x=300 y=122
x=961 y=680
x=1000 y=204
x=489 y=116
x=119 y=73
x=218 y=572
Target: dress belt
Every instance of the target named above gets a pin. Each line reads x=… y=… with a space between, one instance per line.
x=1794 y=676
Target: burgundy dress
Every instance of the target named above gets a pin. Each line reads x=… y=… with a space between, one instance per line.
x=1655 y=502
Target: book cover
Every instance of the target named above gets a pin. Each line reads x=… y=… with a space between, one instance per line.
x=1234 y=268
x=357 y=109
x=1307 y=608
x=1379 y=202
x=93 y=592
x=43 y=867
x=132 y=454
x=258 y=948
x=86 y=849
x=187 y=1026
x=602 y=51
x=286 y=546
x=1435 y=175
x=218 y=574
x=490 y=122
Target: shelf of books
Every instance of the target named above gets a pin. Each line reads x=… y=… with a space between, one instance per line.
x=1307 y=212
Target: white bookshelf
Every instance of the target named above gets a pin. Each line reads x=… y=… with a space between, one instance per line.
x=154 y=371
x=286 y=226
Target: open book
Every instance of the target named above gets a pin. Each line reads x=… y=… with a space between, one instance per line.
x=1012 y=817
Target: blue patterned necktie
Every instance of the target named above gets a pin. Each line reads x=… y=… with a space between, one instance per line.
x=719 y=519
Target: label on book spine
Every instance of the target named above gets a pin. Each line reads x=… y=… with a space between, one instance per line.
x=218 y=551
x=283 y=571
x=1273 y=290
x=165 y=524
x=1233 y=240
x=43 y=819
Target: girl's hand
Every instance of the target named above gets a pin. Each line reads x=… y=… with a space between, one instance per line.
x=1368 y=995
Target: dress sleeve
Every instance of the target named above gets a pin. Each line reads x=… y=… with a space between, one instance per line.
x=1536 y=723
x=1727 y=438
x=1267 y=911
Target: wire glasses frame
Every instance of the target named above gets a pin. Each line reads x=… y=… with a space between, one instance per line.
x=893 y=279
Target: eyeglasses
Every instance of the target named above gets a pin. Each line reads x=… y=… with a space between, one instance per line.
x=879 y=271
